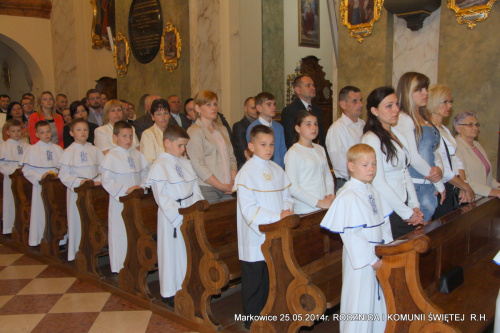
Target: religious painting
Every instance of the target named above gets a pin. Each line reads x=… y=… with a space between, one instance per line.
x=471 y=11
x=359 y=16
x=121 y=54
x=103 y=17
x=171 y=46
x=309 y=23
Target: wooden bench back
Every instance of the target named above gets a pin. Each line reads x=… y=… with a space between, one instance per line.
x=412 y=267
x=93 y=204
x=56 y=221
x=21 y=190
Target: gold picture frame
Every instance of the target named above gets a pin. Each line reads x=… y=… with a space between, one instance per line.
x=103 y=13
x=121 y=54
x=471 y=11
x=171 y=46
x=359 y=16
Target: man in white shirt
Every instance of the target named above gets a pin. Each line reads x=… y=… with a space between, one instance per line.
x=4 y=103
x=174 y=103
x=95 y=111
x=345 y=132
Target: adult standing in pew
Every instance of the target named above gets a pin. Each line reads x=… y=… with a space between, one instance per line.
x=104 y=139
x=358 y=217
x=175 y=185
x=78 y=164
x=392 y=179
x=144 y=122
x=263 y=197
x=476 y=163
x=210 y=150
x=152 y=138
x=46 y=111
x=307 y=168
x=238 y=138
x=345 y=132
x=439 y=106
x=78 y=110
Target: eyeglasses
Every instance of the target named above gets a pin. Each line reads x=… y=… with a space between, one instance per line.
x=470 y=125
x=26 y=104
x=447 y=101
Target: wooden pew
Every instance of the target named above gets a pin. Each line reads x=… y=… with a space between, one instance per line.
x=21 y=190
x=305 y=272
x=93 y=203
x=412 y=268
x=56 y=222
x=210 y=235
x=140 y=214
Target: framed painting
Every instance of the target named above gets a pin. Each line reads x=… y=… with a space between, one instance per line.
x=171 y=46
x=309 y=23
x=359 y=16
x=471 y=11
x=102 y=18
x=121 y=54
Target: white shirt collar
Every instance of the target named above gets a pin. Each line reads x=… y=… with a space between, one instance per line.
x=305 y=103
x=347 y=121
x=264 y=122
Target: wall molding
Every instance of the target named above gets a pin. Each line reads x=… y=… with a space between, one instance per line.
x=26 y=8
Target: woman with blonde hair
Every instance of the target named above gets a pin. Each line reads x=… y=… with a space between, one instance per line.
x=46 y=111
x=210 y=150
x=423 y=139
x=439 y=107
x=112 y=113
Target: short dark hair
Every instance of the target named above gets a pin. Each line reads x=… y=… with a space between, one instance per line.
x=260 y=129
x=187 y=101
x=41 y=123
x=119 y=125
x=30 y=96
x=298 y=79
x=262 y=97
x=157 y=105
x=174 y=132
x=92 y=91
x=248 y=99
x=344 y=92
x=11 y=123
x=77 y=121
x=74 y=106
x=62 y=95
x=4 y=95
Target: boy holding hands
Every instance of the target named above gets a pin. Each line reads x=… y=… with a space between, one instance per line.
x=41 y=159
x=123 y=170
x=79 y=163
x=265 y=103
x=356 y=214
x=263 y=197
x=175 y=185
x=11 y=153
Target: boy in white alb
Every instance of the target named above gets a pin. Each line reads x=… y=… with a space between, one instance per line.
x=356 y=214
x=175 y=185
x=41 y=159
x=263 y=197
x=79 y=163
x=11 y=153
x=123 y=170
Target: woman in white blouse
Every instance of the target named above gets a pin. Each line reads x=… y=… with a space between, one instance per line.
x=392 y=180
x=152 y=138
x=439 y=106
x=307 y=168
x=112 y=113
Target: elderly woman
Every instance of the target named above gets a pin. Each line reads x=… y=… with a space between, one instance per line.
x=152 y=138
x=104 y=134
x=476 y=164
x=210 y=150
x=78 y=110
x=439 y=106
x=46 y=111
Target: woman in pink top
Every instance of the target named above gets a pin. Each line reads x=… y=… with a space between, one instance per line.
x=46 y=111
x=476 y=164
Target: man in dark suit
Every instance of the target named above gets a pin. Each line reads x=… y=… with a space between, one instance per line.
x=303 y=85
x=143 y=123
x=174 y=102
x=238 y=138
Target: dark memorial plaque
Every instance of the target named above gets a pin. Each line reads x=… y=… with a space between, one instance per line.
x=145 y=26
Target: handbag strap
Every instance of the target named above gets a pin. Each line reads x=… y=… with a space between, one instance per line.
x=447 y=154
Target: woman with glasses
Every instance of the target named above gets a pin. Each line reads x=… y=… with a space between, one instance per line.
x=439 y=106
x=476 y=164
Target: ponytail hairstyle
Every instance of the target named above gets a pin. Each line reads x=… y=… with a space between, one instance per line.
x=374 y=125
x=299 y=119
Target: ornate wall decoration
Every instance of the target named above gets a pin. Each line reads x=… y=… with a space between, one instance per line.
x=171 y=46
x=309 y=23
x=471 y=11
x=359 y=16
x=102 y=18
x=121 y=54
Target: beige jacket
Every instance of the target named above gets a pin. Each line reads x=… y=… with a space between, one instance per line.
x=203 y=152
x=152 y=143
x=474 y=168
